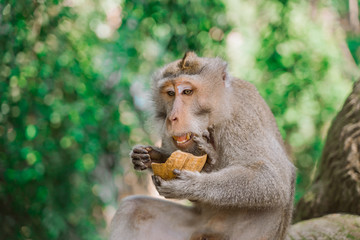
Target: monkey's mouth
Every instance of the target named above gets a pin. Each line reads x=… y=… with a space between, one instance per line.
x=182 y=140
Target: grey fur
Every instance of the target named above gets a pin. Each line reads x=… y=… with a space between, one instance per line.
x=246 y=188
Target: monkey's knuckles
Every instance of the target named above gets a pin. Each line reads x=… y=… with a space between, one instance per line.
x=140 y=149
x=203 y=144
x=211 y=128
x=206 y=135
x=141 y=164
x=186 y=175
x=176 y=188
x=170 y=189
x=164 y=188
x=140 y=157
x=201 y=141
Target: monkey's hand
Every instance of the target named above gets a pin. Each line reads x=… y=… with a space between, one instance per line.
x=177 y=188
x=143 y=156
x=206 y=144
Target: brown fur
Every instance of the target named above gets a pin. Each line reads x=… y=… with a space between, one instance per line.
x=187 y=65
x=246 y=188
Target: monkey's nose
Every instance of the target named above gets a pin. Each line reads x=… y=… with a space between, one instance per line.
x=173 y=119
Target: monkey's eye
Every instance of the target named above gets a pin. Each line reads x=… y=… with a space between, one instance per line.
x=187 y=92
x=171 y=93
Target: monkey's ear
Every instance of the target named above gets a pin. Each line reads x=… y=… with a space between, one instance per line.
x=224 y=75
x=224 y=71
x=221 y=67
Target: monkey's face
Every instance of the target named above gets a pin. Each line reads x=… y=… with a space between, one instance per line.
x=190 y=95
x=186 y=109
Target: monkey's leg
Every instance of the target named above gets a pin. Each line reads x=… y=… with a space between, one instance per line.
x=141 y=217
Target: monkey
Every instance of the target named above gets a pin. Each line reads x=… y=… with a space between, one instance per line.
x=246 y=188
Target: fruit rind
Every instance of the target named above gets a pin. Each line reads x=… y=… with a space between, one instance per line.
x=178 y=160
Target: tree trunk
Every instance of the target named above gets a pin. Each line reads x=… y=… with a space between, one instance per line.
x=330 y=227
x=337 y=187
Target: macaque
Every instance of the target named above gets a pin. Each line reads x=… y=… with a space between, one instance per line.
x=245 y=190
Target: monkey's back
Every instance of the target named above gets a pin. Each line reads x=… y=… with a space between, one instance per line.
x=247 y=98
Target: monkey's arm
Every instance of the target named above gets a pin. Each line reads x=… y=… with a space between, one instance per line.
x=142 y=156
x=238 y=186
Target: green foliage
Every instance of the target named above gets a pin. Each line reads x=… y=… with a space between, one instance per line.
x=59 y=123
x=156 y=32
x=297 y=64
x=66 y=117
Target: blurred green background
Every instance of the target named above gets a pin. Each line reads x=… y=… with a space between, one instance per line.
x=74 y=83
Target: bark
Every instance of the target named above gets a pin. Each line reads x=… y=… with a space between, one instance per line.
x=337 y=187
x=354 y=15
x=330 y=227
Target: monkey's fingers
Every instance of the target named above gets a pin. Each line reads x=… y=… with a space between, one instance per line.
x=206 y=135
x=154 y=155
x=177 y=172
x=211 y=128
x=140 y=149
x=186 y=175
x=156 y=180
x=201 y=141
x=140 y=167
x=141 y=164
x=143 y=156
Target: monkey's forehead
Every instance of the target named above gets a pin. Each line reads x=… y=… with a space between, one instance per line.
x=178 y=68
x=189 y=65
x=181 y=79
